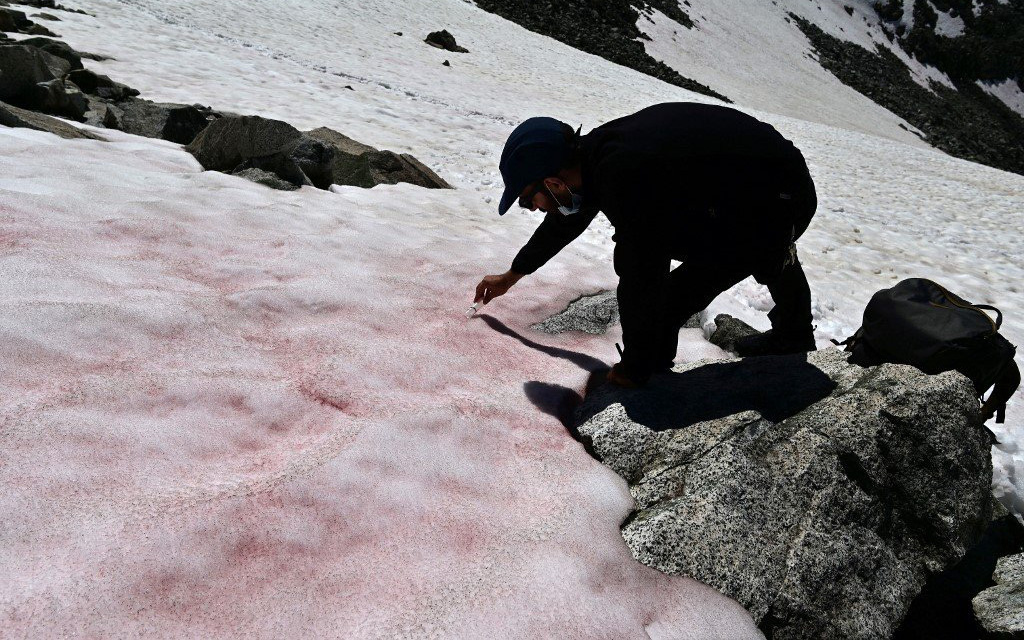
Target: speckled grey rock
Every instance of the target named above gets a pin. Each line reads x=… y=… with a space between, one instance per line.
x=728 y=330
x=592 y=314
x=818 y=494
x=1009 y=569
x=1000 y=609
x=266 y=178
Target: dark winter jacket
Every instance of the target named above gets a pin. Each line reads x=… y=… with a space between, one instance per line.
x=677 y=181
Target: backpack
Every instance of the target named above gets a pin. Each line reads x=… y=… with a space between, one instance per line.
x=920 y=323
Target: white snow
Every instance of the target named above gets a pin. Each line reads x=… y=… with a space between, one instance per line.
x=236 y=411
x=1008 y=91
x=947 y=25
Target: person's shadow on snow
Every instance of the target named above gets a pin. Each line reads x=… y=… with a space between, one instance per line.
x=777 y=387
x=553 y=399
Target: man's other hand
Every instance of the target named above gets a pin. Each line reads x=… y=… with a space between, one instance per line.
x=493 y=286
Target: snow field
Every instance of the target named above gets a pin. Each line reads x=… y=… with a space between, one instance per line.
x=233 y=410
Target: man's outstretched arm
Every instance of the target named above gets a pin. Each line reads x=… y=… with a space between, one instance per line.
x=553 y=234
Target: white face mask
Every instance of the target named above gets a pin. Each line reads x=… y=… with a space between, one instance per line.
x=577 y=202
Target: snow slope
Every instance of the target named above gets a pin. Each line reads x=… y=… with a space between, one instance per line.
x=752 y=52
x=231 y=410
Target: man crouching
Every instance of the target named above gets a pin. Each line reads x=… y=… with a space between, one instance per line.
x=706 y=185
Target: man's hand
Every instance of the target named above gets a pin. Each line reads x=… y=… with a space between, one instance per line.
x=616 y=377
x=493 y=286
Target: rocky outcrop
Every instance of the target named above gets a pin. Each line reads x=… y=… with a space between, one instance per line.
x=13 y=21
x=17 y=22
x=55 y=48
x=605 y=28
x=1000 y=609
x=24 y=67
x=818 y=494
x=356 y=164
x=179 y=123
x=11 y=116
x=50 y=4
x=61 y=50
x=48 y=76
x=34 y=79
x=444 y=40
x=321 y=157
x=100 y=85
x=964 y=122
x=231 y=141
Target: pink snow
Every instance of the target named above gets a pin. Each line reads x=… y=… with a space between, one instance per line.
x=230 y=411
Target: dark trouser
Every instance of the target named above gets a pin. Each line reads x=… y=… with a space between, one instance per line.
x=695 y=283
x=762 y=246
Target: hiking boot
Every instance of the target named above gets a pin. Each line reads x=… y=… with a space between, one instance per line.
x=770 y=343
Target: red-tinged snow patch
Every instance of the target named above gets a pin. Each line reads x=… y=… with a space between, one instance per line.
x=246 y=412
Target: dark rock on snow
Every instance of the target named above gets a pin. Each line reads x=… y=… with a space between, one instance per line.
x=819 y=494
x=50 y=4
x=606 y=28
x=965 y=122
x=595 y=314
x=100 y=85
x=47 y=16
x=280 y=164
x=179 y=123
x=320 y=157
x=230 y=141
x=48 y=76
x=265 y=178
x=24 y=67
x=56 y=48
x=444 y=40
x=11 y=116
x=102 y=114
x=40 y=30
x=13 y=21
x=59 y=98
x=34 y=79
x=728 y=330
x=361 y=165
x=185 y=122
